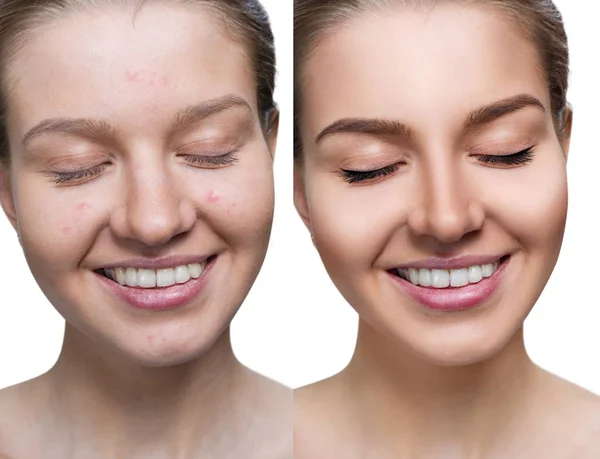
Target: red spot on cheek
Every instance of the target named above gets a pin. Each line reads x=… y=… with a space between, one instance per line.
x=165 y=82
x=83 y=206
x=213 y=197
x=151 y=338
x=132 y=76
x=66 y=230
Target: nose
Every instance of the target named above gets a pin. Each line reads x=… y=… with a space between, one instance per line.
x=154 y=207
x=448 y=207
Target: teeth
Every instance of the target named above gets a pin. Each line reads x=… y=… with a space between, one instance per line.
x=149 y=278
x=440 y=278
x=459 y=277
x=443 y=278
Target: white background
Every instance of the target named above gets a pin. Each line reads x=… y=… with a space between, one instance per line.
x=294 y=326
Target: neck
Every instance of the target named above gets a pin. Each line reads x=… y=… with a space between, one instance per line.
x=105 y=397
x=460 y=407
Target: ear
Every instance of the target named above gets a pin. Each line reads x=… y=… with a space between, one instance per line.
x=300 y=200
x=6 y=196
x=566 y=129
x=272 y=131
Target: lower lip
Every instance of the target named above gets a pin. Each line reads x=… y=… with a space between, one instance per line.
x=156 y=299
x=454 y=298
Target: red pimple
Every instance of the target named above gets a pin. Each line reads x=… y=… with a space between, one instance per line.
x=83 y=206
x=67 y=229
x=213 y=197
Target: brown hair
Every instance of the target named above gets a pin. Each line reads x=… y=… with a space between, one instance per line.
x=245 y=21
x=540 y=21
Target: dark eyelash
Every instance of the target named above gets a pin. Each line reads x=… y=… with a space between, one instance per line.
x=63 y=177
x=359 y=176
x=515 y=159
x=219 y=160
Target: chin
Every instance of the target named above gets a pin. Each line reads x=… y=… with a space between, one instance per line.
x=460 y=346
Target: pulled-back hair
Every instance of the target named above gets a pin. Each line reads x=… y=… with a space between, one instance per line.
x=245 y=21
x=539 y=20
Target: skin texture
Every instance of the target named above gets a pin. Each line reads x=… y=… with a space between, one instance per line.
x=426 y=384
x=133 y=383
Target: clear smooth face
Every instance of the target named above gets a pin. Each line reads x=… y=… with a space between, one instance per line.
x=433 y=180
x=138 y=159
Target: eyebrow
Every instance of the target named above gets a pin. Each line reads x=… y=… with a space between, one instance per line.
x=98 y=129
x=481 y=116
x=375 y=126
x=492 y=112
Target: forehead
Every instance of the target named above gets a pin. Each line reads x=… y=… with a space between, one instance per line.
x=425 y=66
x=104 y=62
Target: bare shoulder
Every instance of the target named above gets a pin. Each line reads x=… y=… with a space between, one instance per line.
x=574 y=414
x=17 y=417
x=273 y=413
x=320 y=421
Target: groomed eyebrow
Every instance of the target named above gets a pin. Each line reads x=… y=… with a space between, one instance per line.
x=374 y=126
x=99 y=129
x=492 y=112
x=478 y=117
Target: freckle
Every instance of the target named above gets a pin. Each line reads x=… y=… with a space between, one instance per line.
x=213 y=197
x=132 y=76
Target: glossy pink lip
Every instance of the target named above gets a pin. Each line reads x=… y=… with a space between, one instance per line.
x=157 y=263
x=154 y=299
x=454 y=298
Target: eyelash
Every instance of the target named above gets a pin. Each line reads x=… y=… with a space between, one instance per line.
x=514 y=159
x=216 y=161
x=360 y=176
x=64 y=177
x=73 y=176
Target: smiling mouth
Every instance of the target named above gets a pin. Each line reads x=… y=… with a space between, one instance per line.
x=155 y=278
x=448 y=278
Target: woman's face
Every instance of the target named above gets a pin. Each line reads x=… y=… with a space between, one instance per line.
x=433 y=180
x=137 y=149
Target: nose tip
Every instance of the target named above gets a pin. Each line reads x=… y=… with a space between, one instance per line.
x=447 y=219
x=153 y=216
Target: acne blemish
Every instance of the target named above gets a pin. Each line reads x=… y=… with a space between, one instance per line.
x=165 y=82
x=66 y=229
x=132 y=77
x=213 y=197
x=151 y=338
x=83 y=206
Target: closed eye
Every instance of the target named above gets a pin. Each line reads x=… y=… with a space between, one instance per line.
x=353 y=176
x=515 y=159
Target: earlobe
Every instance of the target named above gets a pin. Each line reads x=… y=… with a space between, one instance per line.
x=6 y=197
x=300 y=201
x=567 y=126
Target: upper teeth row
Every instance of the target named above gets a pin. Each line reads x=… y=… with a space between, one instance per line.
x=442 y=278
x=150 y=278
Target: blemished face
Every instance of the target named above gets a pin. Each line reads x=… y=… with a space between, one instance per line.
x=142 y=183
x=433 y=179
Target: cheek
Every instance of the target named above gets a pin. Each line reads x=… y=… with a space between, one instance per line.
x=241 y=204
x=57 y=230
x=349 y=228
x=534 y=207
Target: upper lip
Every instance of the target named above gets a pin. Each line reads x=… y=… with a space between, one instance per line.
x=463 y=261
x=157 y=263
